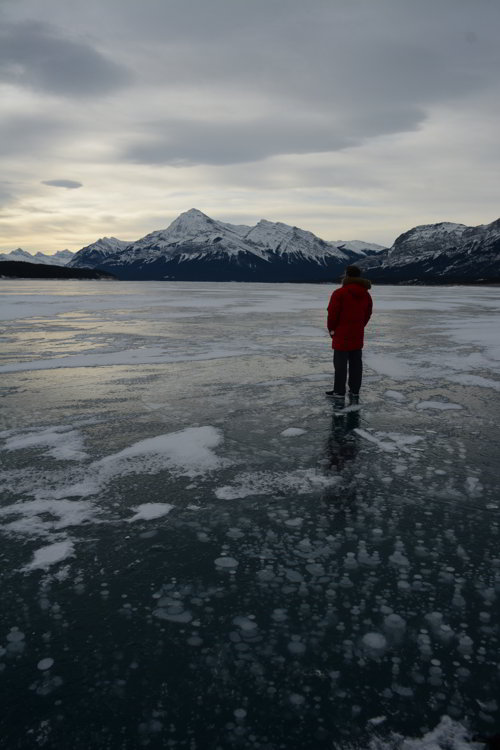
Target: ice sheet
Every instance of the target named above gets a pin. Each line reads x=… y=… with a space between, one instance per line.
x=195 y=541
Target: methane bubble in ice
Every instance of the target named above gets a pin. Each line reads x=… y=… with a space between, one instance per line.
x=374 y=642
x=296 y=647
x=15 y=636
x=45 y=664
x=226 y=562
x=394 y=623
x=245 y=623
x=279 y=615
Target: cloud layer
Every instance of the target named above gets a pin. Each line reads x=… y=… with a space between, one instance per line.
x=68 y=184
x=40 y=56
x=353 y=120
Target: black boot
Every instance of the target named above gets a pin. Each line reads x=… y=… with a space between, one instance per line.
x=353 y=399
x=338 y=401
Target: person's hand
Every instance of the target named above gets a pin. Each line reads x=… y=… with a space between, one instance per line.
x=331 y=334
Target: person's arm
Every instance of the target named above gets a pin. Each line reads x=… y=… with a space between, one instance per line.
x=369 y=309
x=334 y=307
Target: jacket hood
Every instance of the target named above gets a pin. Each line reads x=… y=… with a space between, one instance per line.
x=356 y=283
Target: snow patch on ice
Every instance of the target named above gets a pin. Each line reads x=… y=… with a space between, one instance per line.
x=395 y=395
x=447 y=735
x=62 y=443
x=43 y=517
x=396 y=440
x=188 y=452
x=439 y=405
x=59 y=505
x=293 y=431
x=150 y=511
x=302 y=481
x=51 y=554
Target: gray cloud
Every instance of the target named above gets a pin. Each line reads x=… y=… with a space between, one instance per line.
x=68 y=184
x=6 y=195
x=23 y=136
x=184 y=142
x=37 y=55
x=340 y=73
x=327 y=52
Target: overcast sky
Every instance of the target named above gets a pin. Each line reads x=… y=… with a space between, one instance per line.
x=355 y=119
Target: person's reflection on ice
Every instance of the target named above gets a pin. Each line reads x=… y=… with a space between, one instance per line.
x=342 y=444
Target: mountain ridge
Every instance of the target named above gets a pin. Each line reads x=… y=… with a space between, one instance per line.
x=439 y=253
x=60 y=258
x=197 y=247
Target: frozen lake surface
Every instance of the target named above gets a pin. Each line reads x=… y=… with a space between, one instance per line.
x=197 y=553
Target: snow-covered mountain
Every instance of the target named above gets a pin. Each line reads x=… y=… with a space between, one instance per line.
x=64 y=256
x=196 y=247
x=358 y=246
x=426 y=240
x=97 y=253
x=18 y=254
x=437 y=253
x=60 y=258
x=286 y=240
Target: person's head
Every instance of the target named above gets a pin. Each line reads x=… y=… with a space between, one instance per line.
x=352 y=271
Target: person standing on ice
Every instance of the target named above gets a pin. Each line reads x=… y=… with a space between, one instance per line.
x=349 y=310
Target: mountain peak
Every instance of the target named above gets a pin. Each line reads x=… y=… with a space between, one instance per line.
x=190 y=223
x=64 y=254
x=280 y=224
x=192 y=216
x=194 y=212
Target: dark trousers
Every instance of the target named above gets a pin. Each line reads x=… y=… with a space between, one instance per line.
x=340 y=362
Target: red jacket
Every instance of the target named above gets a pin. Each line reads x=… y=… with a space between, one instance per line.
x=349 y=310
